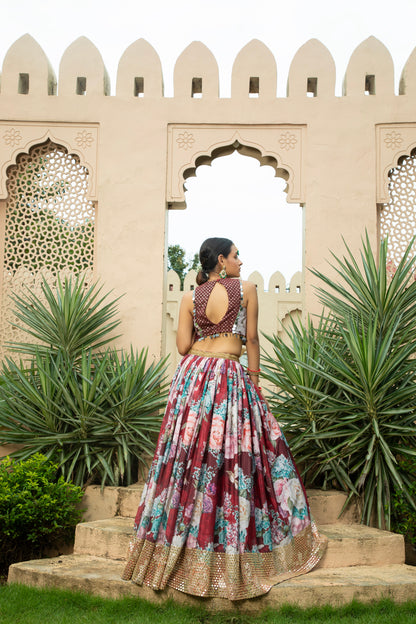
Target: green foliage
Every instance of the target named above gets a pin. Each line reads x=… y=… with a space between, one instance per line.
x=357 y=369
x=177 y=262
x=37 y=509
x=404 y=514
x=300 y=397
x=97 y=413
x=69 y=320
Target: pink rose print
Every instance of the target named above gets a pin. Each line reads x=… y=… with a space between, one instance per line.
x=189 y=428
x=278 y=487
x=275 y=432
x=188 y=511
x=217 y=433
x=246 y=437
x=161 y=536
x=191 y=541
x=298 y=525
x=230 y=446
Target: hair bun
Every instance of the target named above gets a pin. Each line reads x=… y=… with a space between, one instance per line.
x=208 y=259
x=211 y=248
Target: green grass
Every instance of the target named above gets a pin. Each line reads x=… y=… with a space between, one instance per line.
x=26 y=605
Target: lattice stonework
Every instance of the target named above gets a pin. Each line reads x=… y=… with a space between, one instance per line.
x=398 y=217
x=49 y=225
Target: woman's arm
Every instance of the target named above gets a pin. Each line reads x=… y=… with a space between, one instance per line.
x=184 y=336
x=253 y=346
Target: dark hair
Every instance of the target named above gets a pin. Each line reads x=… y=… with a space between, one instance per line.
x=208 y=256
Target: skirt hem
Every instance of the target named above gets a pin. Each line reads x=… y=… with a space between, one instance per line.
x=220 y=575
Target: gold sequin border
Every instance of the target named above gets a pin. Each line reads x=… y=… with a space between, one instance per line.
x=212 y=574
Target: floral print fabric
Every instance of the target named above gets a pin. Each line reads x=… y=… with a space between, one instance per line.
x=223 y=482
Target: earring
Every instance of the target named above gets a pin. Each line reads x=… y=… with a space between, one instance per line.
x=223 y=273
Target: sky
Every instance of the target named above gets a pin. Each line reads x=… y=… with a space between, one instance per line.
x=225 y=27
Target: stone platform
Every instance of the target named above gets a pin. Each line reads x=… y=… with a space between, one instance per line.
x=360 y=563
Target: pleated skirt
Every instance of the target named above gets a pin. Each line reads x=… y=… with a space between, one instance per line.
x=224 y=512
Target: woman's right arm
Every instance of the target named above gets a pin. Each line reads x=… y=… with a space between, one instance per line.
x=253 y=345
x=185 y=334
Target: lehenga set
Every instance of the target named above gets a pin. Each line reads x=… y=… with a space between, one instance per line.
x=224 y=512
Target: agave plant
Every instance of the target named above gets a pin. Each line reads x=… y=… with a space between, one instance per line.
x=72 y=318
x=299 y=398
x=368 y=392
x=95 y=412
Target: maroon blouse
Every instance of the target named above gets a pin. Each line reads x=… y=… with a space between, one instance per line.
x=233 y=321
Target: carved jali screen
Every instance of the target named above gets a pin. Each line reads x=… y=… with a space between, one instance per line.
x=49 y=225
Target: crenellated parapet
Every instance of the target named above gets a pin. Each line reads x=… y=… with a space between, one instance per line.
x=133 y=147
x=82 y=71
x=254 y=72
x=139 y=66
x=312 y=71
x=370 y=70
x=27 y=71
x=196 y=73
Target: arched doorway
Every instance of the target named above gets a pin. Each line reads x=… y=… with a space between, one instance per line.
x=239 y=198
x=245 y=199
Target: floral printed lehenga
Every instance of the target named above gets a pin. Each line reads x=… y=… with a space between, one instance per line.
x=224 y=512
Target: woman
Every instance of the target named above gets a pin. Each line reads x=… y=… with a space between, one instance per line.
x=224 y=512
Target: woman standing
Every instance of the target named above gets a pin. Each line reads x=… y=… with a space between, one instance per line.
x=223 y=512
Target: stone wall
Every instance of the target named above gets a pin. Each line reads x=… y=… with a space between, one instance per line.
x=138 y=148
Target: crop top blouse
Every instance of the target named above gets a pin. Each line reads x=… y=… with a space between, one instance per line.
x=234 y=320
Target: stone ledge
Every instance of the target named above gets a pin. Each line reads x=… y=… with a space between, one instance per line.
x=111 y=501
x=335 y=587
x=348 y=544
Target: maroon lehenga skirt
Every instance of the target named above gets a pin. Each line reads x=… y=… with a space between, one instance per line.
x=224 y=512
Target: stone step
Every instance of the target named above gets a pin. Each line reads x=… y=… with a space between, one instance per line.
x=360 y=545
x=326 y=507
x=348 y=544
x=109 y=502
x=335 y=586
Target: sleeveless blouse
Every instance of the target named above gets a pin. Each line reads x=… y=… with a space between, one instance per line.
x=234 y=320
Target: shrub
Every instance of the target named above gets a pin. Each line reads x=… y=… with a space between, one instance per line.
x=299 y=397
x=96 y=412
x=357 y=369
x=404 y=514
x=37 y=509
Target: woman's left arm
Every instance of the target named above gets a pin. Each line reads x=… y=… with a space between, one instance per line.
x=252 y=345
x=185 y=334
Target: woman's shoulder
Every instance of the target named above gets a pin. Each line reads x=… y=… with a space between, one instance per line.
x=187 y=298
x=249 y=286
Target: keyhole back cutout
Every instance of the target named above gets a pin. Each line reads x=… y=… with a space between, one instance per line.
x=217 y=304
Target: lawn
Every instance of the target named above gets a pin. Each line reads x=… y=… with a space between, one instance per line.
x=25 y=605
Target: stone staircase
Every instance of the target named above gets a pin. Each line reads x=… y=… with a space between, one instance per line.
x=360 y=563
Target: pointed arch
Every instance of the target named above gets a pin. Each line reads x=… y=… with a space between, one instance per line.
x=80 y=140
x=254 y=72
x=312 y=70
x=296 y=283
x=27 y=70
x=140 y=62
x=196 y=73
x=82 y=70
x=370 y=70
x=258 y=280
x=277 y=283
x=190 y=146
x=407 y=85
